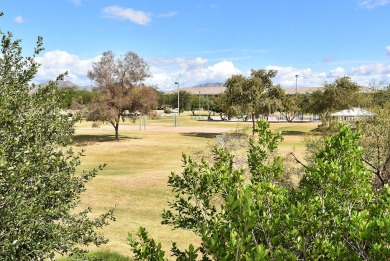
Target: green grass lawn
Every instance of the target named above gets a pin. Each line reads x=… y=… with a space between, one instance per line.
x=138 y=166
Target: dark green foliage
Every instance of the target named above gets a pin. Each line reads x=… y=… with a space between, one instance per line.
x=216 y=105
x=381 y=98
x=73 y=98
x=146 y=249
x=334 y=213
x=342 y=94
x=39 y=187
x=185 y=100
x=246 y=96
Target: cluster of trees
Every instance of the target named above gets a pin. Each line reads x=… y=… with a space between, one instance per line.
x=254 y=95
x=39 y=186
x=249 y=97
x=188 y=101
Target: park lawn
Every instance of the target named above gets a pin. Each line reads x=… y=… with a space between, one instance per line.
x=138 y=165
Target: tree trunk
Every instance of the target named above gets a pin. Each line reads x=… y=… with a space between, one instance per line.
x=116 y=127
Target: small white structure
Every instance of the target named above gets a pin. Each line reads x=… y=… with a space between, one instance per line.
x=352 y=114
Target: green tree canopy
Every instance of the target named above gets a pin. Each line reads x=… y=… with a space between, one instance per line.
x=74 y=98
x=185 y=100
x=342 y=94
x=246 y=95
x=39 y=185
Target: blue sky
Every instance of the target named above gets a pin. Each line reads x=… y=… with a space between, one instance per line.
x=201 y=41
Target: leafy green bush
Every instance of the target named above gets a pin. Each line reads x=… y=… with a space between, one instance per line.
x=333 y=214
x=39 y=186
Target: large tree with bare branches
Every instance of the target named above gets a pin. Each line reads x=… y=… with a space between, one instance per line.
x=117 y=79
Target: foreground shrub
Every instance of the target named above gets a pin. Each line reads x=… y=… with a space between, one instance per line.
x=39 y=186
x=334 y=213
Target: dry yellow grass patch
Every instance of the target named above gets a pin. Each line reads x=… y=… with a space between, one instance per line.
x=138 y=166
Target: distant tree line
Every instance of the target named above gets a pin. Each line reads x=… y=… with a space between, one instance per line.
x=249 y=97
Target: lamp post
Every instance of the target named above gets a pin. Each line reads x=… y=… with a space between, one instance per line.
x=178 y=103
x=296 y=86
x=199 y=104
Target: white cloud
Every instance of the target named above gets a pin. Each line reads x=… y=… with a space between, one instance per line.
x=19 y=19
x=371 y=4
x=223 y=70
x=306 y=77
x=53 y=63
x=388 y=50
x=286 y=75
x=371 y=70
x=189 y=72
x=365 y=74
x=338 y=72
x=120 y=13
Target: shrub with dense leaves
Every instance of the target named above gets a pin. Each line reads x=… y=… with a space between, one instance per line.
x=334 y=213
x=39 y=186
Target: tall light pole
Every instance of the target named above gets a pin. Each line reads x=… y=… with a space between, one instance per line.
x=178 y=103
x=296 y=88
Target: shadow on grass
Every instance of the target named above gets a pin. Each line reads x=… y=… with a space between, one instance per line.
x=100 y=256
x=83 y=140
x=201 y=135
x=293 y=133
